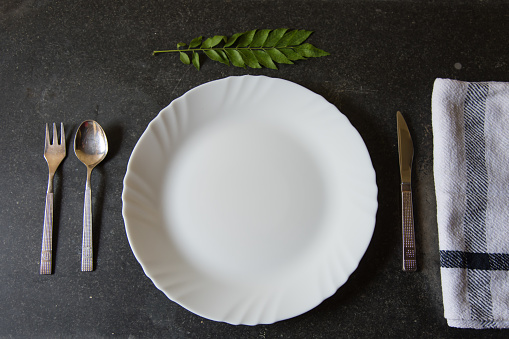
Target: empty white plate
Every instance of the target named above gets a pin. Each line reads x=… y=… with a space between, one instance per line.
x=249 y=200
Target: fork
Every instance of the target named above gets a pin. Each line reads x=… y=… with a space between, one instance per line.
x=54 y=153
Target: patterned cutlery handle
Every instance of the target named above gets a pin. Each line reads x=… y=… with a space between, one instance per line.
x=409 y=258
x=47 y=236
x=87 y=263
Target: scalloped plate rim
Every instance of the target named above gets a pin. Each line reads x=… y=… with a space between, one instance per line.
x=140 y=256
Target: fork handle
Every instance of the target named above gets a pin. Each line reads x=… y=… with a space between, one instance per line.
x=47 y=236
x=409 y=257
x=87 y=263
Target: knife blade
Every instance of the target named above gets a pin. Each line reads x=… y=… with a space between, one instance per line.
x=406 y=155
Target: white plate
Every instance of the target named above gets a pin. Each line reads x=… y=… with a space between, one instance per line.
x=249 y=200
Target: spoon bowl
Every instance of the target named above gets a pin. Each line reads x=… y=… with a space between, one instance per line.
x=90 y=143
x=91 y=147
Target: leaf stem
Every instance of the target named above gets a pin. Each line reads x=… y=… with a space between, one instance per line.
x=217 y=49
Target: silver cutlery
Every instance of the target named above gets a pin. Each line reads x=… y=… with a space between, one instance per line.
x=91 y=147
x=406 y=154
x=54 y=153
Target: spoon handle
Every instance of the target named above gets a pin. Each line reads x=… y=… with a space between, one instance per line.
x=87 y=263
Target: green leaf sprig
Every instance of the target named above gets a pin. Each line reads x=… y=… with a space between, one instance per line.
x=255 y=49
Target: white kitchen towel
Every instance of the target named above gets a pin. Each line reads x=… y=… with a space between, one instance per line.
x=471 y=169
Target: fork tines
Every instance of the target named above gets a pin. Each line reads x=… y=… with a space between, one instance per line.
x=55 y=135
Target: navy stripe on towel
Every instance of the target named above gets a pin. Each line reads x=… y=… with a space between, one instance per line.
x=474 y=261
x=477 y=173
x=474 y=221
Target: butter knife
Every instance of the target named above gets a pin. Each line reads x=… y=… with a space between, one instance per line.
x=406 y=154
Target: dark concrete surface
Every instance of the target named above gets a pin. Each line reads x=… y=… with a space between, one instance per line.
x=74 y=60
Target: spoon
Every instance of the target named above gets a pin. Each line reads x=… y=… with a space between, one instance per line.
x=91 y=147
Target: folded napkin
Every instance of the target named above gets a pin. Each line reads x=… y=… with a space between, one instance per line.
x=471 y=169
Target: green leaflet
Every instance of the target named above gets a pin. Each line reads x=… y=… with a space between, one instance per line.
x=235 y=57
x=260 y=37
x=255 y=48
x=264 y=59
x=217 y=56
x=274 y=37
x=214 y=41
x=249 y=58
x=185 y=58
x=278 y=56
x=196 y=60
x=232 y=39
x=309 y=51
x=194 y=43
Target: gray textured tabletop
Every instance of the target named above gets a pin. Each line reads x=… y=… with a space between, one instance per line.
x=72 y=61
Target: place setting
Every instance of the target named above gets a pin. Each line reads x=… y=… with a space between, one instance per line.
x=251 y=199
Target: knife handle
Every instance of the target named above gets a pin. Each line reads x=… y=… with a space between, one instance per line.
x=409 y=260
